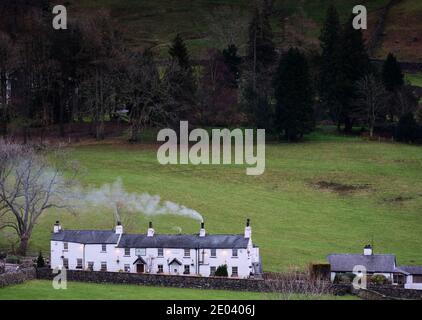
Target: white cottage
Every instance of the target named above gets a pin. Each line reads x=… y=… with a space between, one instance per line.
x=116 y=251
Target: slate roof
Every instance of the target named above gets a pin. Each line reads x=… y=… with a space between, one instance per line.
x=212 y=241
x=86 y=236
x=175 y=261
x=414 y=270
x=373 y=263
x=142 y=261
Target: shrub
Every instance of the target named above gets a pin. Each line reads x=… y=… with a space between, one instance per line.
x=222 y=271
x=40 y=261
x=344 y=278
x=378 y=279
x=408 y=130
x=12 y=259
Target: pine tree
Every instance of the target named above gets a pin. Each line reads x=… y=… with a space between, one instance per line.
x=355 y=65
x=392 y=74
x=179 y=52
x=40 y=261
x=293 y=92
x=329 y=89
x=233 y=61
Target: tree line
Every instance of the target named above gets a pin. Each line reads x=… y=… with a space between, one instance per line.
x=87 y=73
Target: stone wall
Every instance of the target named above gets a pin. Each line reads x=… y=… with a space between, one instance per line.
x=11 y=278
x=253 y=285
x=158 y=280
x=393 y=292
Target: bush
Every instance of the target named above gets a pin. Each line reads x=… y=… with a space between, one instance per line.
x=222 y=271
x=40 y=261
x=408 y=130
x=344 y=278
x=12 y=259
x=378 y=279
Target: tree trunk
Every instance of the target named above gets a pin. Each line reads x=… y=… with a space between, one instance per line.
x=23 y=245
x=348 y=125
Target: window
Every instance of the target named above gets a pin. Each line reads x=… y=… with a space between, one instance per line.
x=417 y=279
x=78 y=263
x=187 y=269
x=66 y=263
x=127 y=251
x=90 y=265
x=234 y=253
x=160 y=268
x=65 y=246
x=141 y=252
x=213 y=253
x=103 y=266
x=234 y=272
x=127 y=267
x=160 y=252
x=187 y=253
x=212 y=271
x=103 y=248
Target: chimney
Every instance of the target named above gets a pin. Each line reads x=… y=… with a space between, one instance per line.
x=119 y=228
x=150 y=230
x=248 y=229
x=202 y=230
x=57 y=227
x=367 y=251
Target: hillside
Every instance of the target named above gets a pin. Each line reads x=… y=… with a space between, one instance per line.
x=208 y=23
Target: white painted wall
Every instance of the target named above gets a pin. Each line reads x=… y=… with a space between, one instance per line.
x=116 y=258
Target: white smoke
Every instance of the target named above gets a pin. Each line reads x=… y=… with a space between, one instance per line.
x=115 y=197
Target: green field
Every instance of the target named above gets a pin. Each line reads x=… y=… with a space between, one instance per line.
x=415 y=79
x=330 y=194
x=43 y=290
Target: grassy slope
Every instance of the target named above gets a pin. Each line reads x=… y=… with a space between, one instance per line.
x=155 y=22
x=403 y=31
x=293 y=221
x=43 y=290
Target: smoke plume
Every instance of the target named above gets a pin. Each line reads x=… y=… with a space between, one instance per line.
x=115 y=197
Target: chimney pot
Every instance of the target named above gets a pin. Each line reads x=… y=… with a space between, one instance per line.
x=248 y=229
x=150 y=230
x=57 y=227
x=367 y=250
x=202 y=230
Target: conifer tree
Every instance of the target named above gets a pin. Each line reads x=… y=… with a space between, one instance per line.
x=293 y=92
x=392 y=74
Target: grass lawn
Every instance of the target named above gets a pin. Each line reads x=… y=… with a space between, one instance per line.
x=298 y=214
x=415 y=79
x=43 y=290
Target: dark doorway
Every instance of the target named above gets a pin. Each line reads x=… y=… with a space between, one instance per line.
x=140 y=268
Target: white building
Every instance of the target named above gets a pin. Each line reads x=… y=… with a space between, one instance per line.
x=376 y=264
x=116 y=251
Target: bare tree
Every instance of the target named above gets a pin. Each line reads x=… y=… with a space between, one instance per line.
x=29 y=185
x=285 y=286
x=371 y=100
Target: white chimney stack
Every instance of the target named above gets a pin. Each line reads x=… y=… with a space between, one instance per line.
x=150 y=230
x=57 y=227
x=202 y=230
x=367 y=251
x=119 y=228
x=248 y=229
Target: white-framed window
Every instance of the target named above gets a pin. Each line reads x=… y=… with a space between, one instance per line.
x=160 y=268
x=160 y=252
x=141 y=252
x=103 y=248
x=234 y=253
x=127 y=252
x=65 y=246
x=78 y=263
x=213 y=253
x=212 y=271
x=187 y=269
x=91 y=265
x=186 y=253
x=103 y=266
x=234 y=272
x=127 y=267
x=66 y=263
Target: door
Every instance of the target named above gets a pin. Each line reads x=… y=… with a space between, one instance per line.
x=140 y=268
